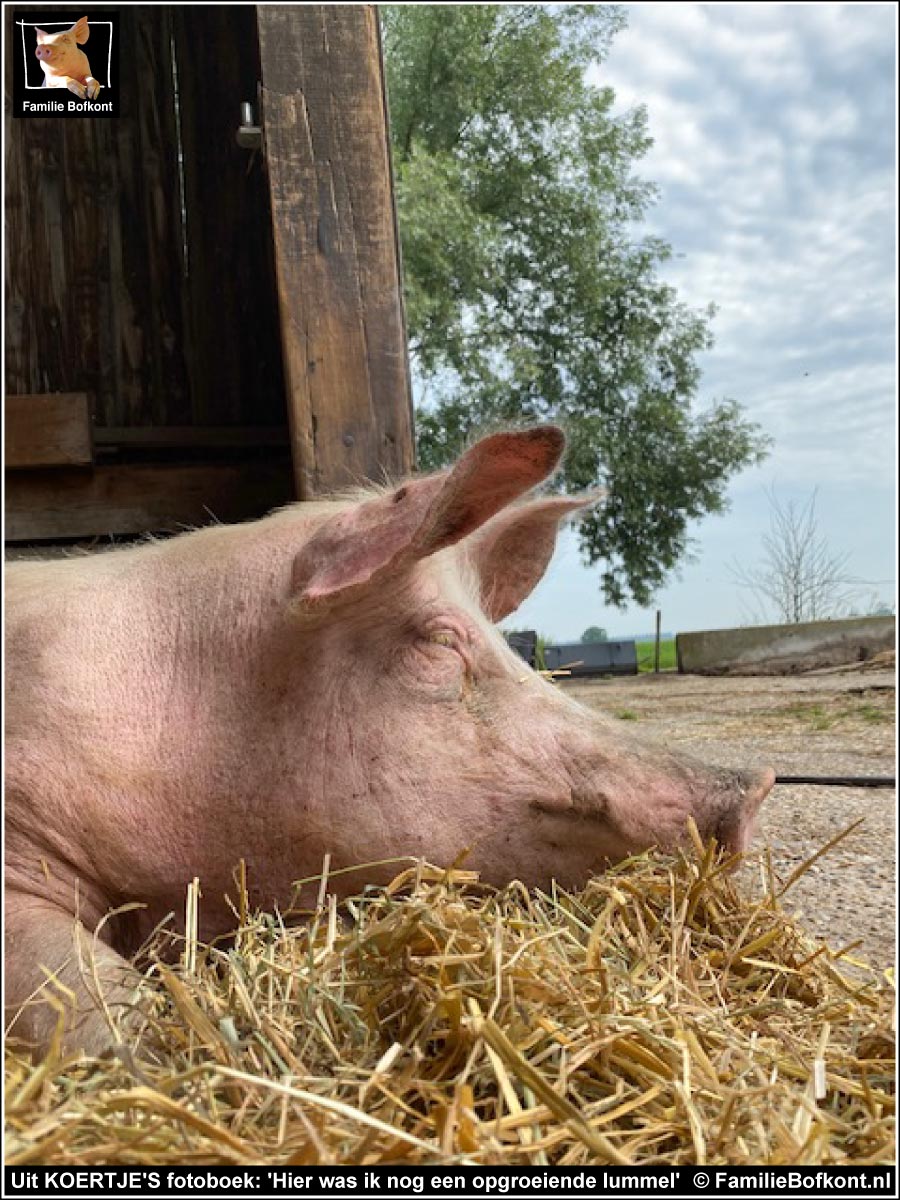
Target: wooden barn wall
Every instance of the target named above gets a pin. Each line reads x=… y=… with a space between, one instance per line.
x=148 y=285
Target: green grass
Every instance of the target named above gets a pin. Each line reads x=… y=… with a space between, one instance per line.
x=820 y=718
x=627 y=714
x=875 y=716
x=814 y=714
x=646 y=652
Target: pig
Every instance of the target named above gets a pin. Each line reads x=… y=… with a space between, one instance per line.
x=328 y=680
x=63 y=64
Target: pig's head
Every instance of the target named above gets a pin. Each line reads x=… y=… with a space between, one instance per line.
x=435 y=734
x=60 y=50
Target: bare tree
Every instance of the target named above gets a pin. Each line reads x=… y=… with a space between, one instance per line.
x=799 y=575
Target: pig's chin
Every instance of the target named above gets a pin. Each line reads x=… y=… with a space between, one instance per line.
x=736 y=829
x=735 y=832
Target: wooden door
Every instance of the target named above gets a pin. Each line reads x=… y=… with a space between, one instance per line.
x=213 y=328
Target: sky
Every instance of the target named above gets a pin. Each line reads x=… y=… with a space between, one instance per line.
x=774 y=151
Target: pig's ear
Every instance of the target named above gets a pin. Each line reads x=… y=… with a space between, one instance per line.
x=82 y=30
x=41 y=34
x=424 y=515
x=512 y=552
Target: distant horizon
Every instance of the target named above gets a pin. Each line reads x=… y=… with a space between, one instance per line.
x=552 y=640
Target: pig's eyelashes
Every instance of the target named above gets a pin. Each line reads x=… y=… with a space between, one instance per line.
x=442 y=639
x=441 y=645
x=447 y=639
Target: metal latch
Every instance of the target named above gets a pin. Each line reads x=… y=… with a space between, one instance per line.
x=248 y=135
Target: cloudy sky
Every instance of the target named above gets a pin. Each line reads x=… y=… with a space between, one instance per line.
x=774 y=128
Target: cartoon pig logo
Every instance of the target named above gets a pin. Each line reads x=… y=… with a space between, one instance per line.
x=63 y=64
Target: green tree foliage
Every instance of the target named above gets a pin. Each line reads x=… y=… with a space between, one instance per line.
x=594 y=633
x=529 y=294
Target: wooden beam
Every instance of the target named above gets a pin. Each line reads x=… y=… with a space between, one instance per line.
x=336 y=250
x=170 y=437
x=49 y=430
x=135 y=499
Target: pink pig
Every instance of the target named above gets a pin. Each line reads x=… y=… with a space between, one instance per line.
x=327 y=680
x=63 y=64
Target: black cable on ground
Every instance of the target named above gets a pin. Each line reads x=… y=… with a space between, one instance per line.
x=872 y=781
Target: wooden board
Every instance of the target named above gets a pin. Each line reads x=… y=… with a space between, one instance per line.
x=336 y=253
x=193 y=437
x=134 y=499
x=93 y=238
x=47 y=431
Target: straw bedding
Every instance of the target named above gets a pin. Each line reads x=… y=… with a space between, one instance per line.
x=659 y=1016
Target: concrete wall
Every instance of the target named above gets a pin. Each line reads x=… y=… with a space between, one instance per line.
x=783 y=649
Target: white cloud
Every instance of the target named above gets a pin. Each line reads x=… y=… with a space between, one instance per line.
x=780 y=207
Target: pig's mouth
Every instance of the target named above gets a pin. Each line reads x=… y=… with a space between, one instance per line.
x=736 y=828
x=573 y=806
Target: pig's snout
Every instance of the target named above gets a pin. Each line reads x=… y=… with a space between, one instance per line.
x=44 y=52
x=735 y=829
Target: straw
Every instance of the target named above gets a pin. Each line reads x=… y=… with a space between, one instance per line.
x=661 y=1015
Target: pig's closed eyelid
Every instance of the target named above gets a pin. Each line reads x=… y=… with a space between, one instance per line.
x=447 y=626
x=443 y=637
x=454 y=640
x=445 y=645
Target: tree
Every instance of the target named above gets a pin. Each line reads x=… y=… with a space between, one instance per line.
x=798 y=574
x=529 y=295
x=593 y=634
x=878 y=608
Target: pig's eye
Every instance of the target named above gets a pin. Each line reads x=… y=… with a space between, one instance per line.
x=439 y=654
x=440 y=645
x=439 y=660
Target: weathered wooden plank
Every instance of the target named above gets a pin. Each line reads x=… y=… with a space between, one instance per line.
x=134 y=499
x=336 y=254
x=48 y=430
x=168 y=437
x=155 y=257
x=93 y=235
x=142 y=340
x=231 y=301
x=37 y=337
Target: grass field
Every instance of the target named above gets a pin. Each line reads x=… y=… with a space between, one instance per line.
x=646 y=652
